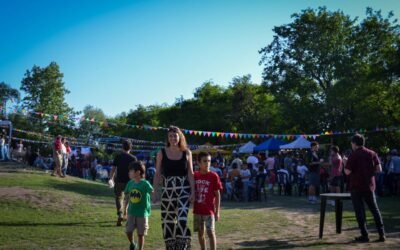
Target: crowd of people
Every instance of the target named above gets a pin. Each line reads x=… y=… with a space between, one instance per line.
x=250 y=178
x=202 y=180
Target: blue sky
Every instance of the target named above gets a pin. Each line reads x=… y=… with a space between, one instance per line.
x=118 y=54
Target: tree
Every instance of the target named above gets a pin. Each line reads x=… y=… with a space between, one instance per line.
x=7 y=93
x=94 y=118
x=45 y=93
x=330 y=71
x=253 y=108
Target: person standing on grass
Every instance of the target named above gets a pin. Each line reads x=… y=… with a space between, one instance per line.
x=120 y=165
x=336 y=173
x=174 y=164
x=313 y=175
x=66 y=150
x=207 y=201
x=137 y=204
x=57 y=156
x=2 y=145
x=245 y=175
x=361 y=168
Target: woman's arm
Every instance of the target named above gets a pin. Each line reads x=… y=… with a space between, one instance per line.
x=190 y=175
x=157 y=176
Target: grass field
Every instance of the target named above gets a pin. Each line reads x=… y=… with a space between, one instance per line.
x=38 y=211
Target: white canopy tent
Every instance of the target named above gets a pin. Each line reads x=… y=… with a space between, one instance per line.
x=299 y=143
x=247 y=148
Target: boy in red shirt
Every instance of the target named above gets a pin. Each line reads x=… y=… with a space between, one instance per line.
x=207 y=201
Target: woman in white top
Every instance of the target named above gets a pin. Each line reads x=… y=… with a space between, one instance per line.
x=245 y=175
x=20 y=147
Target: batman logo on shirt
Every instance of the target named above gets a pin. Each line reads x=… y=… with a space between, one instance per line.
x=135 y=196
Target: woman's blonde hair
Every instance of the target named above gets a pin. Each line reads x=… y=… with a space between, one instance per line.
x=182 y=140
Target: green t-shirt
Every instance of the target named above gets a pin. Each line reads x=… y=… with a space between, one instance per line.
x=139 y=198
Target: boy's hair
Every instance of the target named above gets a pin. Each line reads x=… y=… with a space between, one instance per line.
x=126 y=145
x=358 y=139
x=201 y=155
x=138 y=166
x=314 y=143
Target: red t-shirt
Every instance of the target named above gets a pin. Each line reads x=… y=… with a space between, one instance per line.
x=205 y=186
x=57 y=145
x=362 y=164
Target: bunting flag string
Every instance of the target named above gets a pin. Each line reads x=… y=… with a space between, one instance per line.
x=137 y=150
x=76 y=141
x=210 y=134
x=134 y=140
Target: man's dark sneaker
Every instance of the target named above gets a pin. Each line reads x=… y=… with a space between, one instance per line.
x=132 y=246
x=382 y=238
x=119 y=222
x=361 y=239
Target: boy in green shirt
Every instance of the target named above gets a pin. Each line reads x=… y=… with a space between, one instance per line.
x=137 y=194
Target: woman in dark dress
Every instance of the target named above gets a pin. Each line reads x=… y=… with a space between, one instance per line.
x=174 y=167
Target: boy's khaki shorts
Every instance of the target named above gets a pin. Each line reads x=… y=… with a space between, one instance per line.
x=201 y=221
x=141 y=224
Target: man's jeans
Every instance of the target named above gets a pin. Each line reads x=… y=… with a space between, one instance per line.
x=379 y=177
x=358 y=199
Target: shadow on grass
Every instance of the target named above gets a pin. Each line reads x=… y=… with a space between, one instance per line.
x=61 y=224
x=287 y=243
x=288 y=203
x=88 y=189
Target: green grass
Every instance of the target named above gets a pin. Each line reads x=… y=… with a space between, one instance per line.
x=73 y=213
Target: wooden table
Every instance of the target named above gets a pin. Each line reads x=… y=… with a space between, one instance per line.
x=338 y=197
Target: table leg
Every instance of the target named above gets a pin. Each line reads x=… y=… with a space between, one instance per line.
x=322 y=217
x=338 y=215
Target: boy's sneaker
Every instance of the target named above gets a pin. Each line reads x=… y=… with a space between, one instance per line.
x=132 y=246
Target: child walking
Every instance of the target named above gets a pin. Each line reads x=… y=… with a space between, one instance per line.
x=137 y=195
x=207 y=202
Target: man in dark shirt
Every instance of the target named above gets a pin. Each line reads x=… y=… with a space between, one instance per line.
x=361 y=168
x=120 y=164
